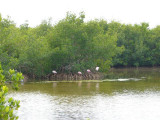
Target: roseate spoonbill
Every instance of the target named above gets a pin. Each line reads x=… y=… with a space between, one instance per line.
x=54 y=72
x=97 y=68
x=79 y=73
x=88 y=70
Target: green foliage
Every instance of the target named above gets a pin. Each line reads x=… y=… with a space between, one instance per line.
x=8 y=106
x=134 y=39
x=74 y=45
x=77 y=45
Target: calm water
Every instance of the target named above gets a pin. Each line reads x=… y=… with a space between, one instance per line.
x=127 y=94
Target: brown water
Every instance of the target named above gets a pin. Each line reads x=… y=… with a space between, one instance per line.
x=126 y=94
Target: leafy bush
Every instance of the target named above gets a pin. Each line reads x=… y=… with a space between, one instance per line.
x=8 y=106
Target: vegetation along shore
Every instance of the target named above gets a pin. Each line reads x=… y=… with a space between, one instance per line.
x=73 y=46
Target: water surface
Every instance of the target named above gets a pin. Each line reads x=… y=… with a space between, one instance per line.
x=126 y=94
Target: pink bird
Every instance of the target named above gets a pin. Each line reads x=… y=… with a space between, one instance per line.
x=88 y=70
x=97 y=68
x=79 y=73
x=54 y=72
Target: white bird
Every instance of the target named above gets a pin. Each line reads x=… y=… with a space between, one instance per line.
x=97 y=68
x=54 y=72
x=88 y=70
x=79 y=73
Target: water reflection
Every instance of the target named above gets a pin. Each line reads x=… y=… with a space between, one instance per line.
x=91 y=88
x=132 y=99
x=79 y=84
x=97 y=86
x=54 y=84
x=88 y=85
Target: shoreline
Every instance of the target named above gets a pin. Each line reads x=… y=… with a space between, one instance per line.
x=86 y=76
x=64 y=81
x=67 y=77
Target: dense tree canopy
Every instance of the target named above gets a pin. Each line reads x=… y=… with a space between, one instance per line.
x=73 y=45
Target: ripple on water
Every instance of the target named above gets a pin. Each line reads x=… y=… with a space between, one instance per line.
x=125 y=106
x=125 y=79
x=35 y=106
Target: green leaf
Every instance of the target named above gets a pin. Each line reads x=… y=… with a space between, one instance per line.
x=10 y=100
x=7 y=109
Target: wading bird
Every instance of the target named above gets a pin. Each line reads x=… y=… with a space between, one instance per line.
x=88 y=70
x=54 y=72
x=79 y=73
x=97 y=68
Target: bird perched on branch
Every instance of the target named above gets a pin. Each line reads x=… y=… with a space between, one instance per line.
x=79 y=73
x=54 y=72
x=88 y=70
x=97 y=68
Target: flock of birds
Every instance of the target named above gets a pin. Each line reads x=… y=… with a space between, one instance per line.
x=80 y=73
